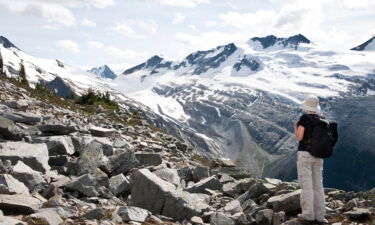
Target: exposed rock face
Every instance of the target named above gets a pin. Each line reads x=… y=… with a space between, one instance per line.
x=33 y=155
x=160 y=197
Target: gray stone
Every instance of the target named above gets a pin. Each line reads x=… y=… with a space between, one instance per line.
x=185 y=173
x=19 y=204
x=6 y=220
x=225 y=178
x=58 y=160
x=33 y=155
x=56 y=129
x=10 y=185
x=218 y=218
x=101 y=132
x=160 y=197
x=9 y=131
x=19 y=104
x=195 y=220
x=210 y=183
x=151 y=159
x=235 y=172
x=289 y=203
x=233 y=207
x=278 y=218
x=121 y=162
x=85 y=185
x=57 y=145
x=259 y=188
x=6 y=166
x=358 y=213
x=23 y=117
x=231 y=190
x=106 y=145
x=31 y=178
x=131 y=213
x=200 y=172
x=119 y=184
x=48 y=216
x=95 y=214
x=169 y=175
x=90 y=158
x=181 y=146
x=264 y=217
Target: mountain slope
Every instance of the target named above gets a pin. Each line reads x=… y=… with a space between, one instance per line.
x=103 y=71
x=240 y=101
x=366 y=46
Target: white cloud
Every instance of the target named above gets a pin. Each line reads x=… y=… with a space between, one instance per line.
x=210 y=23
x=178 y=18
x=127 y=28
x=88 y=23
x=54 y=11
x=192 y=27
x=115 y=52
x=182 y=3
x=69 y=45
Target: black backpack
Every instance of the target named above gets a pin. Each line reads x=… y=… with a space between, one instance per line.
x=323 y=137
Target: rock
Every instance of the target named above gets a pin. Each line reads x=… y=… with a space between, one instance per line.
x=107 y=145
x=259 y=188
x=200 y=172
x=218 y=218
x=160 y=197
x=56 y=129
x=195 y=220
x=264 y=217
x=46 y=216
x=95 y=214
x=6 y=220
x=223 y=162
x=181 y=146
x=19 y=204
x=170 y=175
x=358 y=213
x=225 y=178
x=101 y=132
x=121 y=162
x=185 y=173
x=289 y=203
x=235 y=172
x=86 y=185
x=210 y=183
x=23 y=117
x=119 y=184
x=151 y=159
x=33 y=155
x=57 y=145
x=131 y=213
x=90 y=158
x=278 y=218
x=351 y=204
x=10 y=185
x=273 y=181
x=9 y=131
x=233 y=207
x=6 y=166
x=231 y=190
x=19 y=104
x=58 y=160
x=31 y=178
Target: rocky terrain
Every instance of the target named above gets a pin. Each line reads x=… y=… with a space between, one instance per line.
x=63 y=163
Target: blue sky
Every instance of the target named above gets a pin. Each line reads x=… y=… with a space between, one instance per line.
x=122 y=33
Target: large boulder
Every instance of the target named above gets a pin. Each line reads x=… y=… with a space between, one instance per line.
x=86 y=185
x=131 y=213
x=56 y=129
x=151 y=159
x=264 y=217
x=161 y=197
x=200 y=172
x=169 y=175
x=9 y=131
x=19 y=204
x=212 y=183
x=121 y=162
x=10 y=185
x=119 y=184
x=33 y=155
x=57 y=145
x=31 y=178
x=100 y=131
x=289 y=203
x=46 y=216
x=23 y=117
x=219 y=218
x=90 y=158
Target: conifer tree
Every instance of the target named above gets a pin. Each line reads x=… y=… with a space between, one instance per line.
x=1 y=63
x=22 y=74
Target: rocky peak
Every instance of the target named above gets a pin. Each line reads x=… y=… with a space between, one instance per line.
x=103 y=71
x=272 y=40
x=6 y=43
x=368 y=45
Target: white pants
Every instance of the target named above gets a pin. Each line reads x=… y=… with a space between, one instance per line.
x=310 y=179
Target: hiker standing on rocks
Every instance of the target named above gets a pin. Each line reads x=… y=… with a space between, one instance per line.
x=309 y=168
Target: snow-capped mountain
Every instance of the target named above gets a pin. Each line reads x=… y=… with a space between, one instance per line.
x=240 y=101
x=103 y=71
x=366 y=46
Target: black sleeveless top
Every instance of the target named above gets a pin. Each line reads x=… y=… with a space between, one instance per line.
x=306 y=121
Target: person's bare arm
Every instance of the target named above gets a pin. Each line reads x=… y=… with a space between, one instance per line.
x=299 y=131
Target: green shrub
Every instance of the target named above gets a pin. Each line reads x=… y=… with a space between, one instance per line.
x=94 y=98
